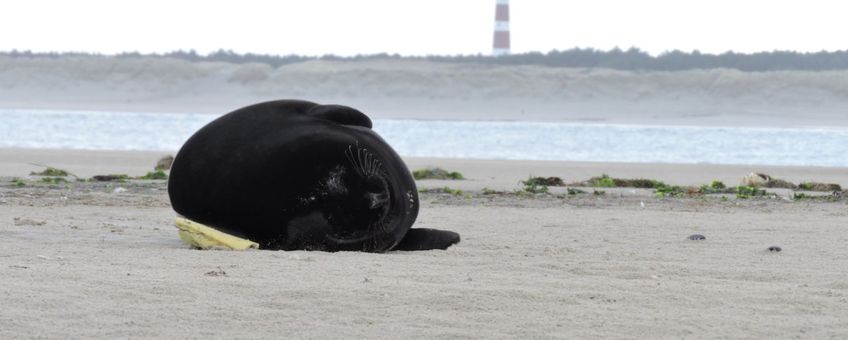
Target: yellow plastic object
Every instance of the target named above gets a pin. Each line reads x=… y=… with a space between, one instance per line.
x=202 y=237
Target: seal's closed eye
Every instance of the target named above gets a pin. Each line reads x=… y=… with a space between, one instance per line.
x=341 y=115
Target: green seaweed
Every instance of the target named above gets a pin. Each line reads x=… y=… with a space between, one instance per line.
x=715 y=187
x=436 y=173
x=158 y=174
x=487 y=191
x=573 y=191
x=116 y=177
x=544 y=181
x=442 y=190
x=744 y=192
x=665 y=190
x=53 y=180
x=602 y=182
x=532 y=186
x=53 y=172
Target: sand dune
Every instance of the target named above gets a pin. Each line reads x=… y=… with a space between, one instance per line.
x=431 y=90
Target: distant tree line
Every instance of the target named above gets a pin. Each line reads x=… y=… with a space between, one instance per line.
x=632 y=59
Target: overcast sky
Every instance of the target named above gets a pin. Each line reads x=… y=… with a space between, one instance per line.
x=348 y=27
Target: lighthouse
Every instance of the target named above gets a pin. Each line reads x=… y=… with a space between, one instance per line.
x=500 y=45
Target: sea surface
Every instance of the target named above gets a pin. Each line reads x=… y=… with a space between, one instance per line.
x=460 y=139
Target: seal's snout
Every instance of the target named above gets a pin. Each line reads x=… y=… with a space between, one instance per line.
x=376 y=199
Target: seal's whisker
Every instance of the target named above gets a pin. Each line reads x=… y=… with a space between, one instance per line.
x=352 y=159
x=361 y=158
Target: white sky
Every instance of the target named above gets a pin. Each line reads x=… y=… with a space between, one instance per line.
x=347 y=27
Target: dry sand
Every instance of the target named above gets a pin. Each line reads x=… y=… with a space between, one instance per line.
x=86 y=261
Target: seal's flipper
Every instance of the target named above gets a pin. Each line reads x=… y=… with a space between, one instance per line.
x=340 y=114
x=427 y=239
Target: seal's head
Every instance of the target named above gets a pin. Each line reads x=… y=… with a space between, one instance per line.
x=360 y=196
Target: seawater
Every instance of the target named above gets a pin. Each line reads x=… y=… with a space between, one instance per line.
x=460 y=139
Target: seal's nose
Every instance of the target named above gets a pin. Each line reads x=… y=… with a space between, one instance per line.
x=376 y=199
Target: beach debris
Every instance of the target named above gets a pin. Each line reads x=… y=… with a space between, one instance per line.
x=219 y=272
x=21 y=221
x=534 y=185
x=779 y=183
x=119 y=190
x=697 y=237
x=53 y=172
x=743 y=192
x=164 y=163
x=546 y=181
x=53 y=180
x=490 y=191
x=755 y=179
x=715 y=187
x=111 y=178
x=574 y=191
x=442 y=190
x=158 y=174
x=436 y=173
x=816 y=186
x=775 y=249
x=605 y=181
x=665 y=190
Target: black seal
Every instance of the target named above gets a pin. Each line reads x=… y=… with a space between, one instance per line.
x=292 y=174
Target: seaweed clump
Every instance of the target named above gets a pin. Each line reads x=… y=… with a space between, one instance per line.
x=158 y=174
x=436 y=173
x=52 y=172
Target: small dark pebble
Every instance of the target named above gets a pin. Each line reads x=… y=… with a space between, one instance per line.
x=697 y=237
x=774 y=249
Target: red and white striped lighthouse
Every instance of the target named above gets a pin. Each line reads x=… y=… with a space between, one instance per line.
x=500 y=45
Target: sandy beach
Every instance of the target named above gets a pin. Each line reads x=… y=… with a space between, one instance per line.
x=90 y=260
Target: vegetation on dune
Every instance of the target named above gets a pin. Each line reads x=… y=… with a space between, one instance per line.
x=632 y=59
